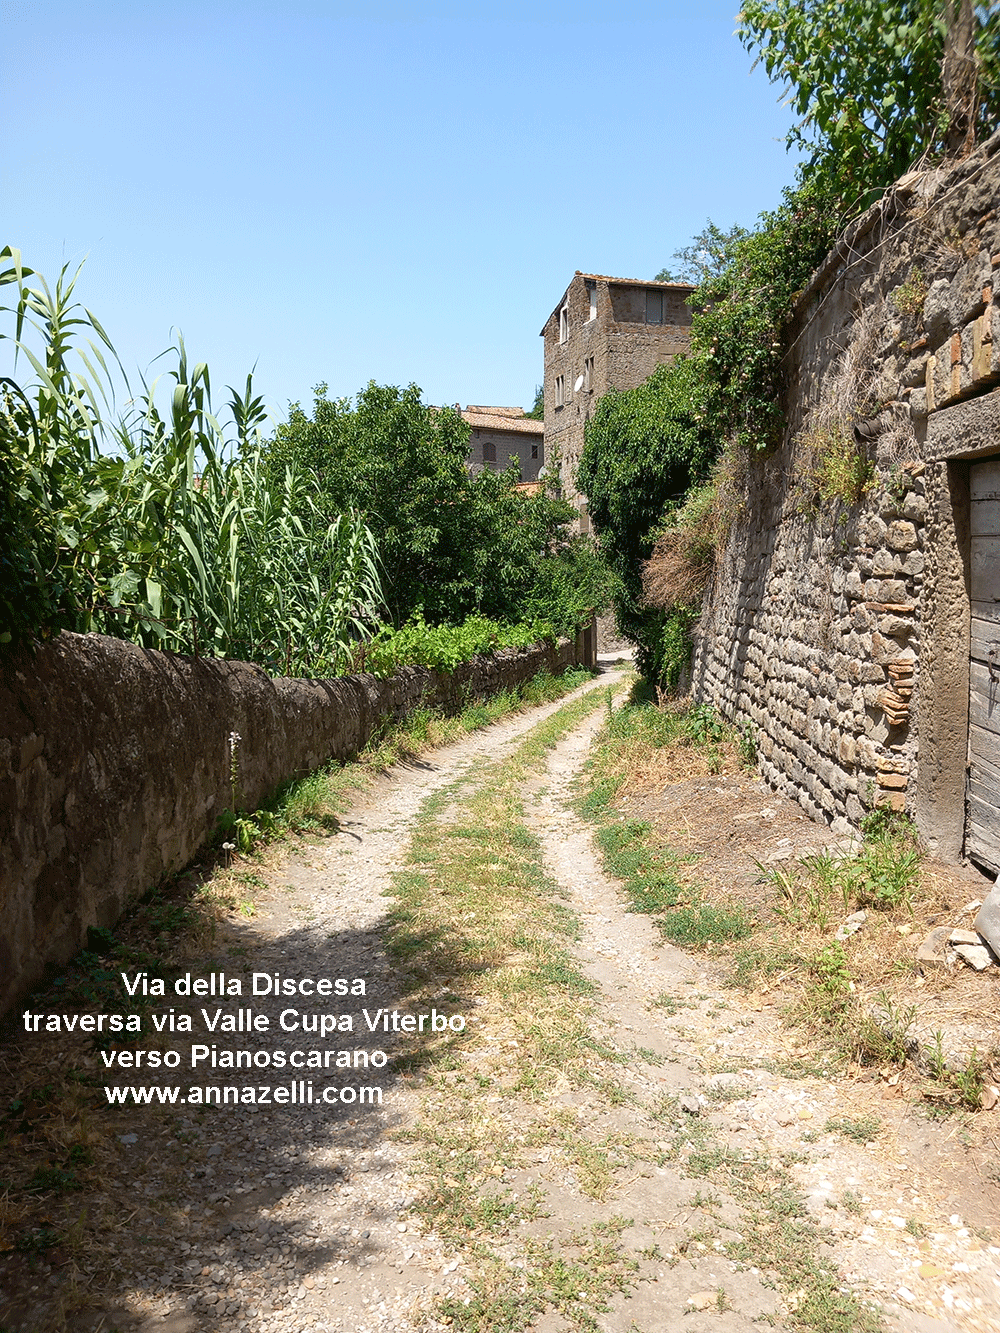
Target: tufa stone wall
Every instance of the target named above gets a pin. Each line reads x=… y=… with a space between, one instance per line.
x=115 y=765
x=839 y=626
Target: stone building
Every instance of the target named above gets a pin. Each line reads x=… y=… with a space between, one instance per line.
x=502 y=435
x=861 y=636
x=605 y=333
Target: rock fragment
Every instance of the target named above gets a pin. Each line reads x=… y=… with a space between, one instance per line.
x=933 y=950
x=987 y=922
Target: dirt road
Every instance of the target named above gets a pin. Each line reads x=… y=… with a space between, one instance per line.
x=667 y=1165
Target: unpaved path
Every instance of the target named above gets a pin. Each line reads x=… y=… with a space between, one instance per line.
x=938 y=1275
x=297 y=1217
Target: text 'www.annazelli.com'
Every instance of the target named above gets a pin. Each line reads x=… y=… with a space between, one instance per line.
x=297 y=1092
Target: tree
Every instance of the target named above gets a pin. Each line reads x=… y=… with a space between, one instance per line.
x=451 y=543
x=537 y=412
x=708 y=255
x=644 y=449
x=867 y=79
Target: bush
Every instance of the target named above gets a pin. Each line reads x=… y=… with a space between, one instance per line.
x=444 y=647
x=452 y=544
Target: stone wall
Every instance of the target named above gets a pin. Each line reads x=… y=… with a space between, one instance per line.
x=839 y=627
x=115 y=765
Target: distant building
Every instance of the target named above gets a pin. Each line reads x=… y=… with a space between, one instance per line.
x=502 y=435
x=605 y=333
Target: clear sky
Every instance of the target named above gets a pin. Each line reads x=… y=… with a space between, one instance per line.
x=355 y=191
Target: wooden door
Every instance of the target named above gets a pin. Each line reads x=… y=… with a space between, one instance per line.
x=982 y=811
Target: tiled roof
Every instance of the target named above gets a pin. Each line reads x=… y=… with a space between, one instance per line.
x=635 y=282
x=502 y=418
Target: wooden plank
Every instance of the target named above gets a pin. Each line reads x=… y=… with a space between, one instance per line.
x=985 y=712
x=984 y=746
x=986 y=788
x=982 y=841
x=984 y=633
x=986 y=611
x=984 y=518
x=985 y=569
x=984 y=480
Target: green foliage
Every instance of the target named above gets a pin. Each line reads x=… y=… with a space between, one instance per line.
x=675 y=647
x=865 y=1129
x=704 y=924
x=865 y=78
x=444 y=647
x=909 y=296
x=840 y=469
x=537 y=412
x=737 y=332
x=707 y=257
x=451 y=544
x=148 y=526
x=644 y=449
x=830 y=969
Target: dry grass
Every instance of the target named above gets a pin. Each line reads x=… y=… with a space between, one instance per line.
x=683 y=559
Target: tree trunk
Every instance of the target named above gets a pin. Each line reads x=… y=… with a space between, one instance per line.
x=959 y=77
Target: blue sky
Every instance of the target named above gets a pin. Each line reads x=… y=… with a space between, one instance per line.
x=389 y=191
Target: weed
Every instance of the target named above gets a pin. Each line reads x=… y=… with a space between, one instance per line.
x=851 y=1203
x=915 y=1228
x=53 y=1179
x=882 y=1035
x=37 y=1240
x=830 y=969
x=669 y=1003
x=865 y=1129
x=909 y=296
x=698 y=927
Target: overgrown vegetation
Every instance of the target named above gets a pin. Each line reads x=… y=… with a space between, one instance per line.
x=161 y=528
x=885 y=95
x=451 y=544
x=185 y=530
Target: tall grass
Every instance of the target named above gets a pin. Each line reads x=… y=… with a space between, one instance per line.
x=161 y=527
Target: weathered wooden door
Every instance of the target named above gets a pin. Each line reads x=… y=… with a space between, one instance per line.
x=982 y=811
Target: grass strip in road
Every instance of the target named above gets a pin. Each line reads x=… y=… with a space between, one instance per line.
x=478 y=926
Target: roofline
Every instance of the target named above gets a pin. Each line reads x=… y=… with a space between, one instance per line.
x=618 y=282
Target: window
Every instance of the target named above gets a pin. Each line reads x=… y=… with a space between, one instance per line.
x=560 y=390
x=564 y=323
x=489 y=452
x=654 y=307
x=534 y=451
x=588 y=373
x=593 y=302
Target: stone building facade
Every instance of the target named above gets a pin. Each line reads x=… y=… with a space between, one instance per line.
x=605 y=333
x=504 y=435
x=861 y=637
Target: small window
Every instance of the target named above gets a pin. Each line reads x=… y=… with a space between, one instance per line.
x=564 y=323
x=560 y=390
x=593 y=303
x=654 y=307
x=489 y=452
x=588 y=374
x=534 y=451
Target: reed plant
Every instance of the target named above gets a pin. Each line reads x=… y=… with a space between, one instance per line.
x=162 y=527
